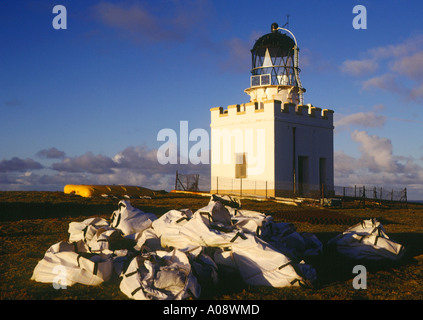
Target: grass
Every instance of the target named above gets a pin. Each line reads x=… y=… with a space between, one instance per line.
x=30 y=222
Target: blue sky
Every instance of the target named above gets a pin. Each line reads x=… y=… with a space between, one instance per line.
x=85 y=104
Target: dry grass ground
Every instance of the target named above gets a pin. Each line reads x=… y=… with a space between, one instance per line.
x=30 y=222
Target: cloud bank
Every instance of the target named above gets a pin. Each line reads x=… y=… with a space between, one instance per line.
x=19 y=165
x=135 y=165
x=377 y=165
x=403 y=65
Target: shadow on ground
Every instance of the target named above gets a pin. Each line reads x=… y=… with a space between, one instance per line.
x=332 y=267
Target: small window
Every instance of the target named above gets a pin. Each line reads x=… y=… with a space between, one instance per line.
x=255 y=81
x=265 y=79
x=240 y=165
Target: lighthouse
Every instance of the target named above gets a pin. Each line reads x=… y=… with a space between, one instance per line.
x=274 y=145
x=275 y=70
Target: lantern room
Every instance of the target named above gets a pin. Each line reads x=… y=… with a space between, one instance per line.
x=275 y=68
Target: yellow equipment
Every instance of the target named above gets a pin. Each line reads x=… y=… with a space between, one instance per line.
x=102 y=190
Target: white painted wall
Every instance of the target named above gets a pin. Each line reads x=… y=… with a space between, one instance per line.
x=263 y=130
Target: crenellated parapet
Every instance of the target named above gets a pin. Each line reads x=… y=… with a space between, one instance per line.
x=273 y=109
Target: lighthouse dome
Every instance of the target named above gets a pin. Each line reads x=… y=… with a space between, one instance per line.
x=275 y=40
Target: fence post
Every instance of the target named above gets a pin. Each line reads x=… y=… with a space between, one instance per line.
x=364 y=196
x=266 y=189
x=343 y=197
x=381 y=197
x=404 y=198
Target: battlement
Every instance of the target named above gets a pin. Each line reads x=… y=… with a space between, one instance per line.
x=273 y=109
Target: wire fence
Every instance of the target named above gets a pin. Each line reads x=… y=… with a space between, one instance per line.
x=340 y=195
x=375 y=195
x=186 y=182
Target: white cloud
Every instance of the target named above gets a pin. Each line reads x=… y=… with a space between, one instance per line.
x=365 y=119
x=359 y=67
x=19 y=165
x=401 y=64
x=376 y=152
x=377 y=165
x=136 y=21
x=387 y=82
x=88 y=162
x=51 y=153
x=144 y=21
x=407 y=47
x=411 y=66
x=344 y=164
x=132 y=166
x=139 y=157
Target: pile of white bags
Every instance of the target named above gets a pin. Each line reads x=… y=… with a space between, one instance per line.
x=165 y=258
x=232 y=232
x=367 y=240
x=65 y=264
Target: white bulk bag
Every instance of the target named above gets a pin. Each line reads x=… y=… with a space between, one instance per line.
x=247 y=220
x=63 y=264
x=129 y=219
x=86 y=229
x=171 y=221
x=202 y=231
x=108 y=241
x=226 y=200
x=167 y=227
x=205 y=270
x=225 y=211
x=367 y=240
x=146 y=240
x=160 y=275
x=284 y=237
x=258 y=263
x=218 y=214
x=98 y=235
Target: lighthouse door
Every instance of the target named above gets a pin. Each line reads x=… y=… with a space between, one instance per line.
x=303 y=180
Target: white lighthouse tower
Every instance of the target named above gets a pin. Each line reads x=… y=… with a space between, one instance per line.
x=274 y=145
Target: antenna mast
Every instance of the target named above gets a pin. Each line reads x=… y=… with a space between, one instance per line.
x=296 y=60
x=286 y=25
